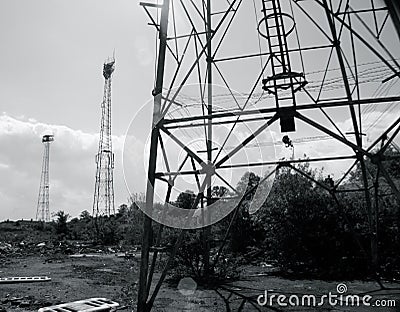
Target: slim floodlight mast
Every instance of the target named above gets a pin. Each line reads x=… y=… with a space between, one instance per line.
x=319 y=67
x=43 y=205
x=103 y=203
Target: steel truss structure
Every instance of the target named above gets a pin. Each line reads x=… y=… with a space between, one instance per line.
x=43 y=205
x=322 y=68
x=103 y=203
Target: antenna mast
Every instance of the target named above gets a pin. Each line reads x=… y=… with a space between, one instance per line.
x=103 y=203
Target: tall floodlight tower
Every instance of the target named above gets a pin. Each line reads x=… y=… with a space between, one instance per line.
x=103 y=203
x=43 y=211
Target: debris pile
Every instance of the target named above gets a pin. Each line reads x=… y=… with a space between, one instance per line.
x=7 y=249
x=21 y=302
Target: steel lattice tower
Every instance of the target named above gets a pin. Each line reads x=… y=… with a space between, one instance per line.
x=317 y=67
x=43 y=211
x=103 y=203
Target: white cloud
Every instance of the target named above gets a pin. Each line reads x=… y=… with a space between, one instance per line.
x=4 y=166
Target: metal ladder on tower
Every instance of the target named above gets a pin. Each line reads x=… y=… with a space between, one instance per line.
x=283 y=83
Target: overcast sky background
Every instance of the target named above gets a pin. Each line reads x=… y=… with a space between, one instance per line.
x=51 y=82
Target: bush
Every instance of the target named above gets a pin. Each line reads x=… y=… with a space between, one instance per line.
x=189 y=261
x=307 y=235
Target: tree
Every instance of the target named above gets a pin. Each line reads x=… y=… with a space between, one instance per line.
x=186 y=199
x=61 y=222
x=243 y=227
x=219 y=191
x=392 y=165
x=85 y=216
x=109 y=231
x=123 y=212
x=384 y=199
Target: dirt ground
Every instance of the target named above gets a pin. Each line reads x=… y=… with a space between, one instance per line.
x=72 y=278
x=108 y=275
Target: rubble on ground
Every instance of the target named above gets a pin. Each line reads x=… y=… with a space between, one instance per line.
x=21 y=302
x=52 y=248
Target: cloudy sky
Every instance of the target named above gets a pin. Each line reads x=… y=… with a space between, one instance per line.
x=51 y=82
